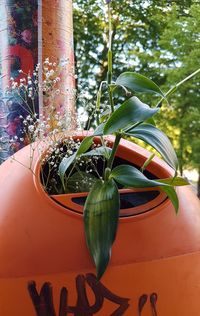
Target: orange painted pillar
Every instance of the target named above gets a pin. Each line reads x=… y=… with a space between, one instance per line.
x=56 y=28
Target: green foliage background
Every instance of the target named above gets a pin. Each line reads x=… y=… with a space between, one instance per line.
x=159 y=39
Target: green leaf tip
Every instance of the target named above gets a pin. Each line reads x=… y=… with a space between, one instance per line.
x=138 y=83
x=101 y=214
x=130 y=112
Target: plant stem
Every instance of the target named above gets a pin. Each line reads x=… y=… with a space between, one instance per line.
x=109 y=75
x=174 y=88
x=110 y=65
x=188 y=78
x=98 y=101
x=111 y=99
x=114 y=150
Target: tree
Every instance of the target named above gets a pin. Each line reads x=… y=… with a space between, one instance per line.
x=137 y=27
x=165 y=49
x=180 y=44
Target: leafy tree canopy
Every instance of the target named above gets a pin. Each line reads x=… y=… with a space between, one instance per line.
x=159 y=39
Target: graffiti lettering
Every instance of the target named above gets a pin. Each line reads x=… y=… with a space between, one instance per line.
x=143 y=300
x=44 y=306
x=43 y=301
x=153 y=301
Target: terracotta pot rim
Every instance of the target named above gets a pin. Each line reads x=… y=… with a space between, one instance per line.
x=161 y=204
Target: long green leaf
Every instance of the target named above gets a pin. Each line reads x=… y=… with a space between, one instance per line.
x=99 y=130
x=138 y=83
x=157 y=139
x=64 y=165
x=177 y=181
x=130 y=112
x=107 y=113
x=101 y=213
x=171 y=193
x=147 y=162
x=131 y=177
x=85 y=145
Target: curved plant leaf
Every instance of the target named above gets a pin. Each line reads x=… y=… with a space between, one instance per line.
x=177 y=181
x=101 y=213
x=99 y=151
x=131 y=177
x=64 y=165
x=171 y=193
x=147 y=162
x=138 y=83
x=99 y=130
x=107 y=113
x=130 y=112
x=150 y=121
x=157 y=139
x=85 y=145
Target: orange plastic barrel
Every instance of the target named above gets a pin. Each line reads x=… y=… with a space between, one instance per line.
x=45 y=267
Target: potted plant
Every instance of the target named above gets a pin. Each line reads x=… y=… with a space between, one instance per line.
x=89 y=163
x=110 y=180
x=130 y=118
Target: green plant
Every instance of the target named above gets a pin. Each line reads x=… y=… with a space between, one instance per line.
x=71 y=165
x=127 y=116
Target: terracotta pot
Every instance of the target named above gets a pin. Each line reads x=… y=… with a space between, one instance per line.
x=45 y=268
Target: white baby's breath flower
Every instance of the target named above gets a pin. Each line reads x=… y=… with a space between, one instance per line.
x=31 y=128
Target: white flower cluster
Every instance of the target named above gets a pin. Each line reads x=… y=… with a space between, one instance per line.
x=64 y=148
x=42 y=130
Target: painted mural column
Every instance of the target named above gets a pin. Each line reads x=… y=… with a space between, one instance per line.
x=18 y=56
x=34 y=32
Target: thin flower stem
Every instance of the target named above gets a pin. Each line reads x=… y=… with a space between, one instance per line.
x=33 y=104
x=96 y=170
x=110 y=65
x=42 y=176
x=28 y=109
x=25 y=166
x=48 y=176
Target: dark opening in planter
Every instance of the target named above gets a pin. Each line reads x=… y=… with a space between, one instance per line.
x=133 y=201
x=127 y=199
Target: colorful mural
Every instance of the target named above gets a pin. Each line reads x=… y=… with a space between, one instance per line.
x=30 y=34
x=19 y=55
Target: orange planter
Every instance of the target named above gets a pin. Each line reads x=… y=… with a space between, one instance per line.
x=45 y=268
